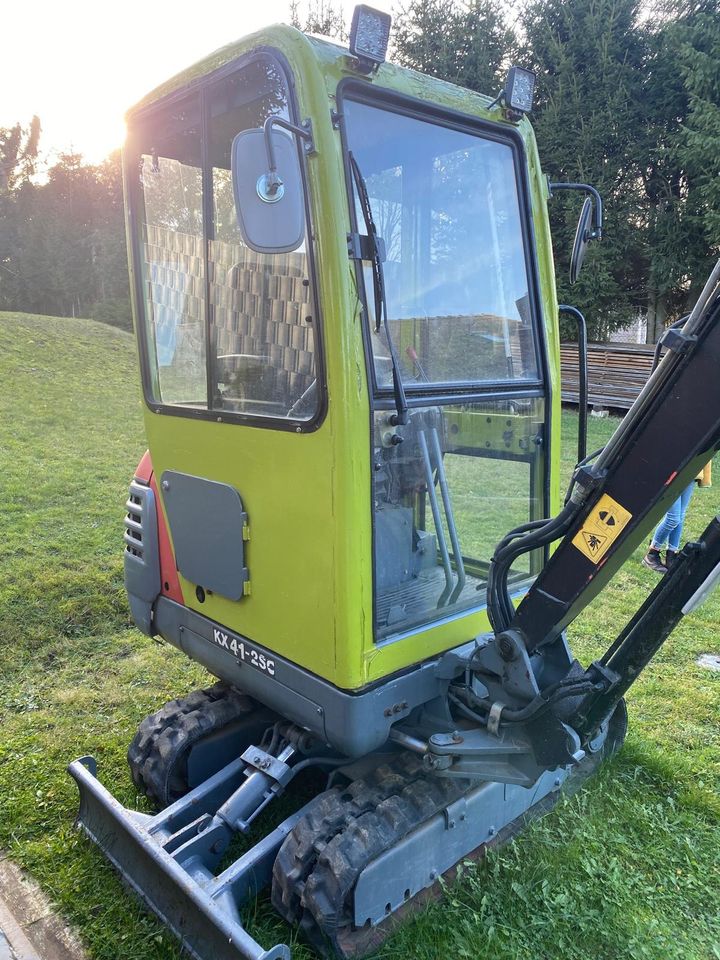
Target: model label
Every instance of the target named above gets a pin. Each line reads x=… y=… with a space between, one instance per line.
x=244 y=651
x=601 y=528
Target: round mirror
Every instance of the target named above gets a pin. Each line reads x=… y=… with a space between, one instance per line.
x=582 y=235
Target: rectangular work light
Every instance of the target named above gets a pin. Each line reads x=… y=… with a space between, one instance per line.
x=519 y=90
x=369 y=35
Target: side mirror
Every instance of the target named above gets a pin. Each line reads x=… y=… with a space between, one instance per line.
x=583 y=235
x=268 y=190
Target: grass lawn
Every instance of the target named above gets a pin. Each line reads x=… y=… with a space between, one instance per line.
x=628 y=868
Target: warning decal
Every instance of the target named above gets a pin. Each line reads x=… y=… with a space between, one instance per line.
x=601 y=528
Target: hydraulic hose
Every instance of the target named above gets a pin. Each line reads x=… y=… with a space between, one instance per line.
x=500 y=607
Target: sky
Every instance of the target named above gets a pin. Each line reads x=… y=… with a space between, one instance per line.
x=80 y=65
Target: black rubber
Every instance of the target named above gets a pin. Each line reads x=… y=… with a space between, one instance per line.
x=344 y=829
x=318 y=864
x=158 y=755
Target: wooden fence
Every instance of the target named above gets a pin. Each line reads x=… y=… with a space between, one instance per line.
x=616 y=373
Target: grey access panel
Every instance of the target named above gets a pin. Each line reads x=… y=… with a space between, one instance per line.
x=206 y=520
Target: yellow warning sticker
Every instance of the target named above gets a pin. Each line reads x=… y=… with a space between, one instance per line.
x=601 y=528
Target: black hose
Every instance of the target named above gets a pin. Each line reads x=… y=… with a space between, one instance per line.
x=500 y=607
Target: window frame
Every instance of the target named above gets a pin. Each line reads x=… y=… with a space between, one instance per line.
x=203 y=88
x=441 y=394
x=393 y=102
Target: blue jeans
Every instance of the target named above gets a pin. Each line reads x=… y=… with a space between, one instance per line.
x=670 y=528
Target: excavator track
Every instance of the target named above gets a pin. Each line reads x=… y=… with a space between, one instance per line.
x=345 y=829
x=317 y=866
x=159 y=753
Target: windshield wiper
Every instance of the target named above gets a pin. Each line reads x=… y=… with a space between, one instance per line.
x=375 y=257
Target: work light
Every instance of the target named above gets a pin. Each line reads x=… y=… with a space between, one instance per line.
x=369 y=35
x=519 y=90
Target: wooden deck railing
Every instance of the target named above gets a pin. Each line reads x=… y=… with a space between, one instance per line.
x=616 y=373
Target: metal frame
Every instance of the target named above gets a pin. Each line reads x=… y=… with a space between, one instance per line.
x=354 y=723
x=170 y=866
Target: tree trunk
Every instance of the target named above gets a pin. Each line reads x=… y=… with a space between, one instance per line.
x=656 y=316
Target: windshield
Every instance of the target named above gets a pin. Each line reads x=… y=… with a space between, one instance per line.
x=446 y=205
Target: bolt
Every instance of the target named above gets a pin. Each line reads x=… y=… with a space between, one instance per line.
x=491 y=831
x=387 y=712
x=256 y=759
x=456 y=738
x=451 y=824
x=507 y=651
x=320 y=711
x=432 y=874
x=558 y=781
x=166 y=484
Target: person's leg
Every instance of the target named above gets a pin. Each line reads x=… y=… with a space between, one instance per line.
x=680 y=509
x=667 y=525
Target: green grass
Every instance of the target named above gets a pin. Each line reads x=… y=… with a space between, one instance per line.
x=628 y=868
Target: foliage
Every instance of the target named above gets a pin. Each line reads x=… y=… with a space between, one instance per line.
x=319 y=16
x=464 y=42
x=63 y=246
x=682 y=96
x=18 y=153
x=615 y=871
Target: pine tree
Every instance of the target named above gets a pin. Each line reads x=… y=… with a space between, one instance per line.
x=589 y=56
x=465 y=43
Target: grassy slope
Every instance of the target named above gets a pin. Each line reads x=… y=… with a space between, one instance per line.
x=629 y=868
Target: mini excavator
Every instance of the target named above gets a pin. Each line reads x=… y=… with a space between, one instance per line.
x=347 y=323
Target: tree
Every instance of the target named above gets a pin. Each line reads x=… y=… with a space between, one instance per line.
x=589 y=57
x=465 y=43
x=319 y=16
x=18 y=153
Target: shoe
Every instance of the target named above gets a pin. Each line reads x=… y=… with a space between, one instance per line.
x=671 y=557
x=653 y=561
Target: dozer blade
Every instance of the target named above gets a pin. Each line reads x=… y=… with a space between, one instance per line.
x=200 y=908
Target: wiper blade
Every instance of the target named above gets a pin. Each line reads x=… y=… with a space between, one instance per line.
x=381 y=316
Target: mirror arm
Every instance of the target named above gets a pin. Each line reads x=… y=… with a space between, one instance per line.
x=598 y=211
x=304 y=132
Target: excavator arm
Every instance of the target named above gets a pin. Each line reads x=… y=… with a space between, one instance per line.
x=671 y=431
x=533 y=706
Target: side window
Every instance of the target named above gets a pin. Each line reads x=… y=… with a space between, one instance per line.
x=227 y=329
x=172 y=252
x=262 y=347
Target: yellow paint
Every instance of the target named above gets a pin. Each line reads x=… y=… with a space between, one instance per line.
x=603 y=526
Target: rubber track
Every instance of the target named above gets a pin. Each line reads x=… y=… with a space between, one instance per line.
x=319 y=862
x=328 y=814
x=158 y=753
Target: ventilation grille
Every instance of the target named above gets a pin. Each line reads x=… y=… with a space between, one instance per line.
x=133 y=535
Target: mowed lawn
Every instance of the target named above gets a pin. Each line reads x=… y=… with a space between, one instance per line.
x=627 y=868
